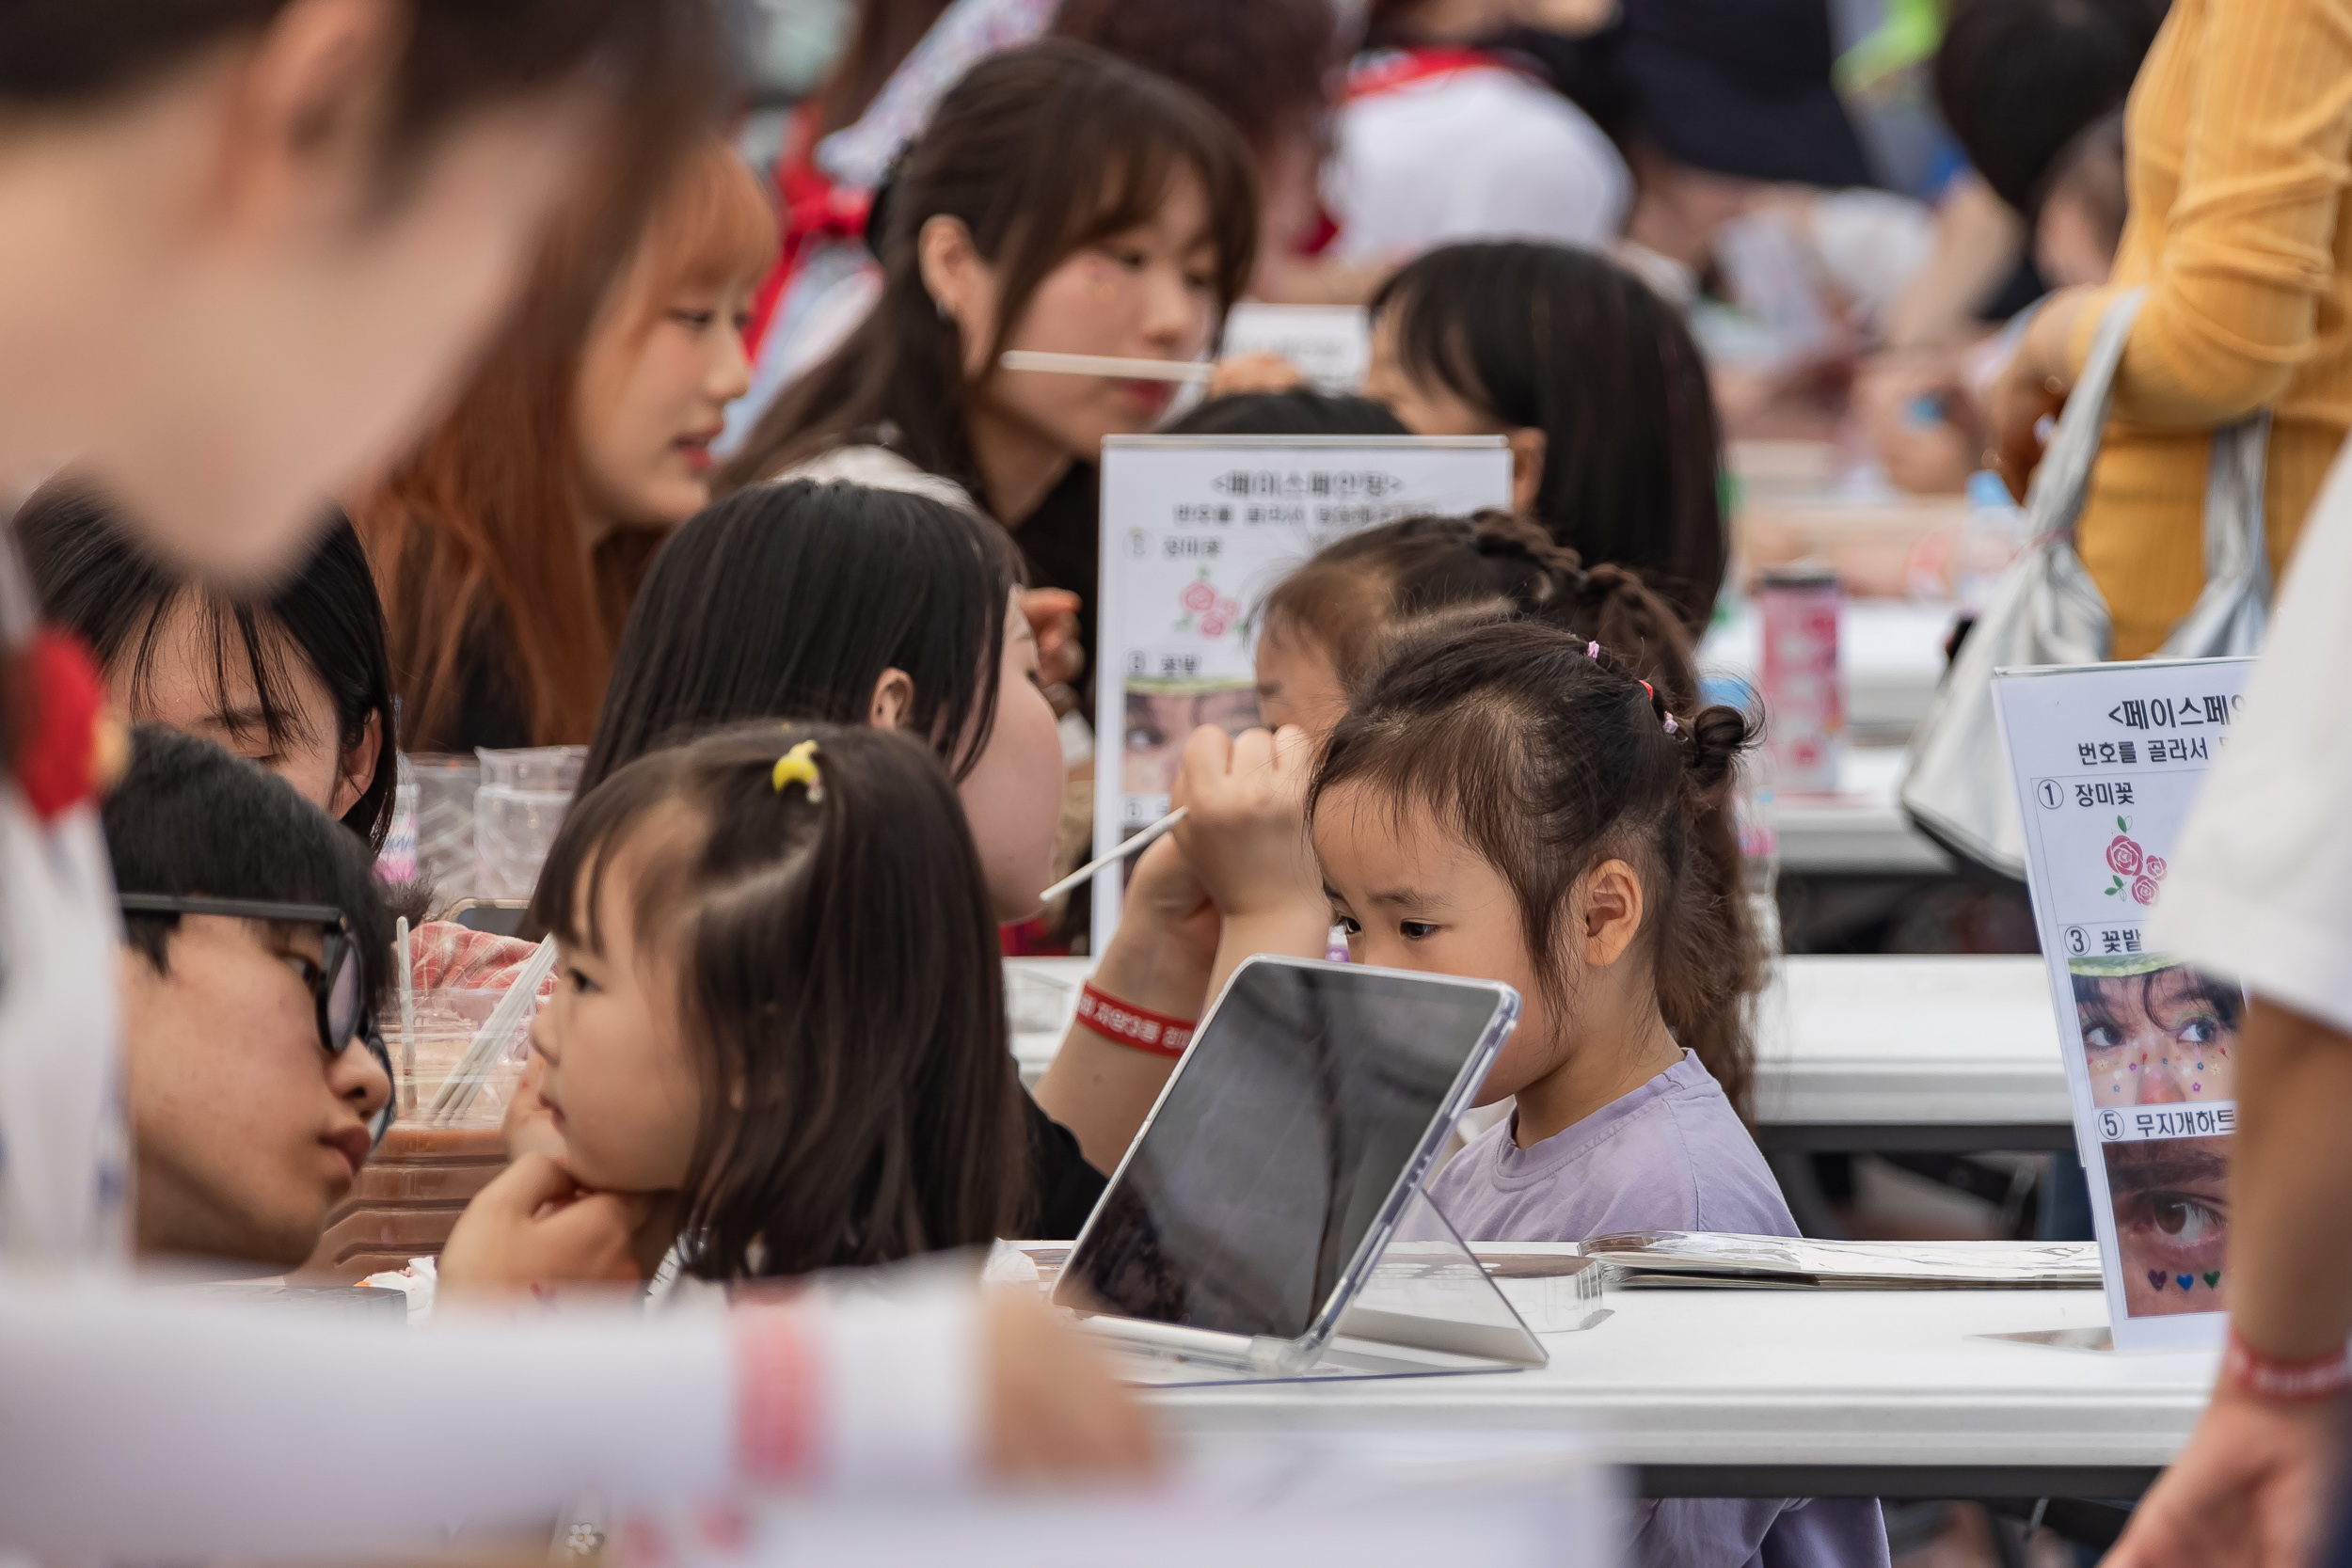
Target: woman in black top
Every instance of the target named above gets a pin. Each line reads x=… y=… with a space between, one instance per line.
x=1059 y=201
x=810 y=599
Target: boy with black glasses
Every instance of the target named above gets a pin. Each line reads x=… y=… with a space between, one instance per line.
x=256 y=946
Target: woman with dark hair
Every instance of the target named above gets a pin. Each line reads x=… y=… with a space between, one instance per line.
x=1058 y=201
x=1596 y=380
x=297 y=681
x=809 y=600
x=292 y=221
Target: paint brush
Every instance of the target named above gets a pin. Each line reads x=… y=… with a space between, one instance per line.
x=1105 y=365
x=1137 y=845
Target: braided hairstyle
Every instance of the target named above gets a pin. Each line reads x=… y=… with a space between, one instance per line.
x=1422 y=572
x=1548 y=755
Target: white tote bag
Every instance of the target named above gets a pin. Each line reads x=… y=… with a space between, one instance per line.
x=1956 y=787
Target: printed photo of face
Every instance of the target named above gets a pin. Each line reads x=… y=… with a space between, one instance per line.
x=2171 y=1223
x=2156 y=1033
x=1161 y=717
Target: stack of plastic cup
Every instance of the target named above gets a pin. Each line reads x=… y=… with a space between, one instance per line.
x=445 y=792
x=517 y=809
x=409 y=1195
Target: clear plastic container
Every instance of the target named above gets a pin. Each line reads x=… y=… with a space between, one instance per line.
x=445 y=792
x=1038 y=1004
x=432 y=1163
x=521 y=802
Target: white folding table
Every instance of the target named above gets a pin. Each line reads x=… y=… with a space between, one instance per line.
x=1795 y=1393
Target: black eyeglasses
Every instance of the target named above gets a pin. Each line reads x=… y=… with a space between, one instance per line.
x=337 y=982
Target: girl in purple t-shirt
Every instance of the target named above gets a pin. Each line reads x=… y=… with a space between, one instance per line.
x=1507 y=801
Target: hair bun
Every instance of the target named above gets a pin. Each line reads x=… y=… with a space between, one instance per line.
x=1609 y=580
x=1507 y=534
x=1718 y=737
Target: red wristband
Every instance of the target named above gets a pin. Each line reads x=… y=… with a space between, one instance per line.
x=1127 y=1024
x=2248 y=1370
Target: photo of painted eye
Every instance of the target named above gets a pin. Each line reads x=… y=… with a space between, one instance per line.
x=2155 y=1032
x=2171 y=1206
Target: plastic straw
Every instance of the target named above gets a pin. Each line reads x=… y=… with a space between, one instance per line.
x=464 y=1082
x=1107 y=365
x=407 y=1007
x=1142 y=841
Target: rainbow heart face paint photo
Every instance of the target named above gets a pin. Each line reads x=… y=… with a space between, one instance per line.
x=2172 y=1222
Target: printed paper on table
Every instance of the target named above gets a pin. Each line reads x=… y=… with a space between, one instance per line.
x=2107 y=760
x=1195 y=532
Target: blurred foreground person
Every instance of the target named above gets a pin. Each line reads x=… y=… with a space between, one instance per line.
x=294 y=220
x=2255 y=895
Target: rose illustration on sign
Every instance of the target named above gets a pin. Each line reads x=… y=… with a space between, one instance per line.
x=2137 y=873
x=1206 y=610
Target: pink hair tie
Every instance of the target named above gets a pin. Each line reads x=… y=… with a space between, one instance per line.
x=1592 y=651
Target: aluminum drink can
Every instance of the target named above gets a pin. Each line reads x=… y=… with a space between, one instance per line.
x=1805 y=690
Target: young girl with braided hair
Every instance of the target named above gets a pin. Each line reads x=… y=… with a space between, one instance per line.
x=1325 y=624
x=1510 y=801
x=1325 y=628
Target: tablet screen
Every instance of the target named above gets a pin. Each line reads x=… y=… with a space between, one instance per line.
x=1286 y=1129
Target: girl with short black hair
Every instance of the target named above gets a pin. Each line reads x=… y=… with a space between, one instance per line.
x=1596 y=381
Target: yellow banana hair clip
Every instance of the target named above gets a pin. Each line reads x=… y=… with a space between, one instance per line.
x=799 y=765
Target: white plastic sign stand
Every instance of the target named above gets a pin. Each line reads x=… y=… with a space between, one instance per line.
x=2108 y=759
x=1330 y=344
x=1426 y=1308
x=1195 y=532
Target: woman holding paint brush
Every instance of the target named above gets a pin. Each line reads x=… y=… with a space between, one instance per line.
x=1060 y=203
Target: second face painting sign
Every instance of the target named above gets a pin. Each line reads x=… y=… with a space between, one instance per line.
x=1195 y=532
x=2107 y=760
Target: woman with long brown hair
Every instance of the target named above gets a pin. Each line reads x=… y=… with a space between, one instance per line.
x=1058 y=201
x=509 y=544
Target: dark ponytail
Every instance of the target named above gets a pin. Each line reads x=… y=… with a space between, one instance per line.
x=1547 y=754
x=1422 y=572
x=850 y=1118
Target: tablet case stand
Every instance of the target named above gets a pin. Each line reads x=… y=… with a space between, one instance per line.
x=1426 y=1306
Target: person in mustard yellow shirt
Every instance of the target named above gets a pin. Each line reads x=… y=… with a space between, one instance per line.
x=2239 y=132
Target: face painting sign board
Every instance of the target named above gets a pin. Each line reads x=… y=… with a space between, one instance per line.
x=2107 y=760
x=1330 y=344
x=1195 y=532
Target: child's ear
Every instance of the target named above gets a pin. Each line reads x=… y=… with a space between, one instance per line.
x=1612 y=911
x=1529 y=447
x=894 y=694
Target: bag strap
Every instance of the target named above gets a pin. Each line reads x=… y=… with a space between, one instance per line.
x=2053 y=501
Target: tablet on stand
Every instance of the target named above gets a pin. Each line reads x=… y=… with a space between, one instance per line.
x=1268 y=1222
